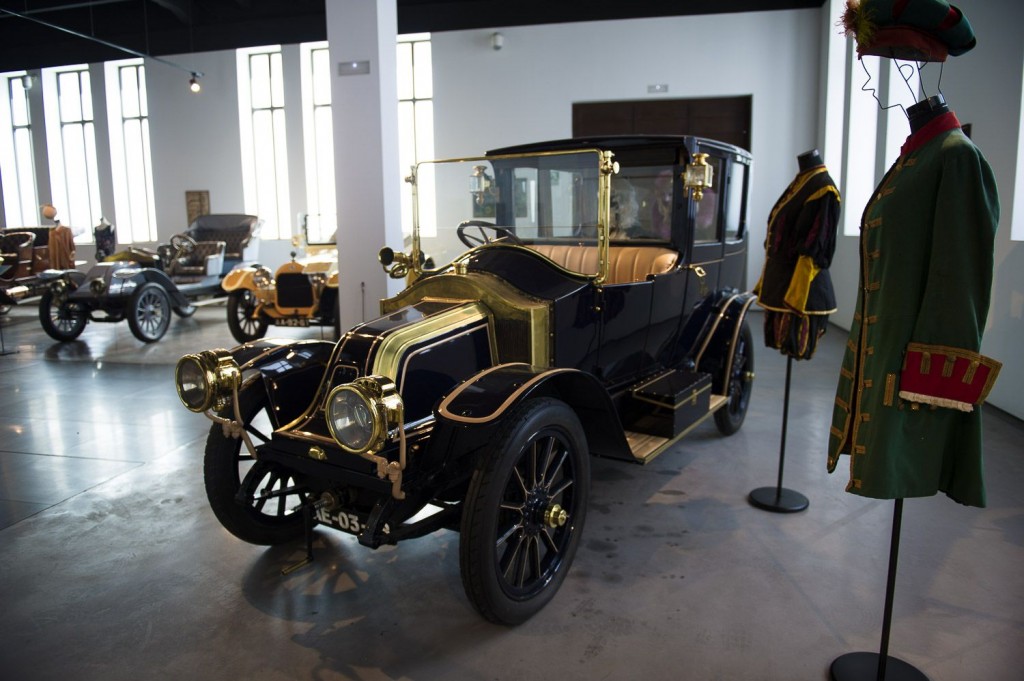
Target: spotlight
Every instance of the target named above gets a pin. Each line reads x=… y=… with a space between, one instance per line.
x=193 y=83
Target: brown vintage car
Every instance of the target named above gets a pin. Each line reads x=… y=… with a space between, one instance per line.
x=26 y=252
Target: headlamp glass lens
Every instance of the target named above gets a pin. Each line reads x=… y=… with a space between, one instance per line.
x=192 y=385
x=351 y=419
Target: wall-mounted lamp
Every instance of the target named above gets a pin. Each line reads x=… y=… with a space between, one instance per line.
x=497 y=41
x=193 y=83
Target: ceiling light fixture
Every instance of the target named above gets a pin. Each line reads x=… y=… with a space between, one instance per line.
x=195 y=75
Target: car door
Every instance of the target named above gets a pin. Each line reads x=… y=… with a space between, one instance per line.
x=706 y=252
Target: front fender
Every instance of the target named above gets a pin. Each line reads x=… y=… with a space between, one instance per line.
x=238 y=278
x=719 y=336
x=73 y=277
x=286 y=368
x=485 y=400
x=152 y=274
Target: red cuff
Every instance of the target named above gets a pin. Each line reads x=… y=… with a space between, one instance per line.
x=946 y=377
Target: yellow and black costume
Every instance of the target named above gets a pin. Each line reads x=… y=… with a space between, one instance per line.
x=795 y=288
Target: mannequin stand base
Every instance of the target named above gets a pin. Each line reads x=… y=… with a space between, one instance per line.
x=864 y=667
x=778 y=500
x=3 y=348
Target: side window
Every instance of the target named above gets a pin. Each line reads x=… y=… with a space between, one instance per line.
x=705 y=224
x=734 y=201
x=641 y=203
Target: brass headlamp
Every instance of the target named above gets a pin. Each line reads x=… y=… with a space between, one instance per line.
x=205 y=379
x=361 y=414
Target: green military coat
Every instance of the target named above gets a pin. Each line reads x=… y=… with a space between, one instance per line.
x=926 y=253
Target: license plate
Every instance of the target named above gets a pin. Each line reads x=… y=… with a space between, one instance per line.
x=293 y=321
x=346 y=521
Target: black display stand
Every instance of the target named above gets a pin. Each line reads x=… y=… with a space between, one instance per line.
x=880 y=666
x=3 y=348
x=778 y=499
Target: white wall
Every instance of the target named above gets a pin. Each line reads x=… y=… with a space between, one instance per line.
x=984 y=88
x=194 y=137
x=523 y=93
x=195 y=143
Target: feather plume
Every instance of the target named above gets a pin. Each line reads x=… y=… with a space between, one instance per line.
x=858 y=23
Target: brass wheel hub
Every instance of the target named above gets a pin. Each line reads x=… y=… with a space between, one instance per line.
x=555 y=516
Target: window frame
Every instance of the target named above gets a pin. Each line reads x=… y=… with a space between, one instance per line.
x=20 y=190
x=81 y=206
x=276 y=217
x=135 y=216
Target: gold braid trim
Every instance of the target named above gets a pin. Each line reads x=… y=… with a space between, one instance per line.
x=936 y=401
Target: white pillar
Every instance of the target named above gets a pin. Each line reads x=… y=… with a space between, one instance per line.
x=364 y=102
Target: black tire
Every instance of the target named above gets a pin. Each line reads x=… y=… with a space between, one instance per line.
x=185 y=311
x=739 y=384
x=61 y=320
x=227 y=465
x=244 y=326
x=149 y=312
x=512 y=556
x=4 y=309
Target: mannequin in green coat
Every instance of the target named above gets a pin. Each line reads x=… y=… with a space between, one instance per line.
x=912 y=372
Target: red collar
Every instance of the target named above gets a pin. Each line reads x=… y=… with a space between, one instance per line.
x=932 y=129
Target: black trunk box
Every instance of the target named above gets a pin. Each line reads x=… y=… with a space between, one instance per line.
x=670 y=404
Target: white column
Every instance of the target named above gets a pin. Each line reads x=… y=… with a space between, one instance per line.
x=364 y=102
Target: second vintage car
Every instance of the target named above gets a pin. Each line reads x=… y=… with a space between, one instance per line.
x=303 y=291
x=588 y=301
x=143 y=286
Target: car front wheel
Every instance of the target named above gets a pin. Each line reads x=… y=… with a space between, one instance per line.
x=524 y=512
x=149 y=312
x=62 y=320
x=244 y=323
x=254 y=500
x=739 y=384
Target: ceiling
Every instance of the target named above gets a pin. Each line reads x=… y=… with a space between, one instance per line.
x=165 y=27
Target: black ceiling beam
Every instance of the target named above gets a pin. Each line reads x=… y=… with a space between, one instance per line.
x=178 y=27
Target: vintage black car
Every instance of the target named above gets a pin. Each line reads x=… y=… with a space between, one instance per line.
x=598 y=311
x=143 y=285
x=302 y=292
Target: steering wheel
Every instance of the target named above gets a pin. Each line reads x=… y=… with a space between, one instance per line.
x=481 y=237
x=182 y=244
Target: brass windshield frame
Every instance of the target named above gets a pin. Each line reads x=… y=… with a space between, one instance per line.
x=606 y=168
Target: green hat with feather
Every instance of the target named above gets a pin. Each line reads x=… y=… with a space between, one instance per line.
x=918 y=30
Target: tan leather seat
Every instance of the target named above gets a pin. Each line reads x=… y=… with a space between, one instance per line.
x=626 y=263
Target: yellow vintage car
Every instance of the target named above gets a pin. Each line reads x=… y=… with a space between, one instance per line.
x=303 y=292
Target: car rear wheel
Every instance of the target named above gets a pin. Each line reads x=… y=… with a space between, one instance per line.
x=739 y=384
x=245 y=325
x=149 y=312
x=524 y=513
x=256 y=501
x=61 y=320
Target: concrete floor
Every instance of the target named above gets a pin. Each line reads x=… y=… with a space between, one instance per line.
x=113 y=567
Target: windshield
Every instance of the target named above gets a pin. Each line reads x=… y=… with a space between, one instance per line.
x=536 y=199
